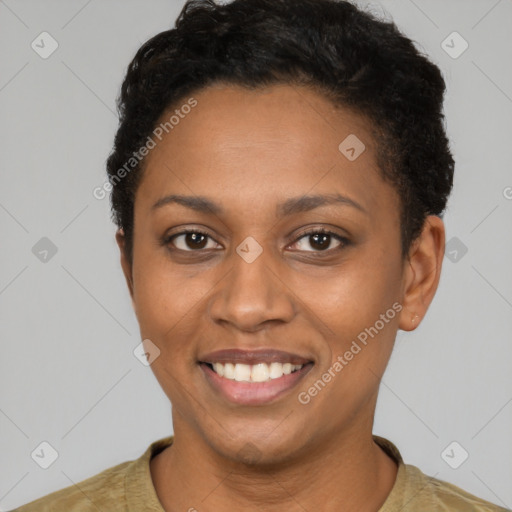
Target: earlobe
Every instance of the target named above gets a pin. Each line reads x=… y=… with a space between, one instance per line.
x=125 y=264
x=422 y=272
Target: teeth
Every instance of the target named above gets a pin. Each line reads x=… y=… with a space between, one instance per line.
x=219 y=368
x=260 y=372
x=276 y=370
x=229 y=370
x=242 y=372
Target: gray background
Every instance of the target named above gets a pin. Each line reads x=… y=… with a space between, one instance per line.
x=67 y=372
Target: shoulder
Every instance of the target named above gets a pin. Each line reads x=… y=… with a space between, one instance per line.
x=414 y=491
x=97 y=492
x=428 y=493
x=127 y=486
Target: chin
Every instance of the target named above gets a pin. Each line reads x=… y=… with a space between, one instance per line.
x=256 y=448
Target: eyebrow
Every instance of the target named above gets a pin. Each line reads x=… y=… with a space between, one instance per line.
x=291 y=206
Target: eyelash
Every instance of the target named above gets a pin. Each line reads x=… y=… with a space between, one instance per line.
x=343 y=240
x=313 y=231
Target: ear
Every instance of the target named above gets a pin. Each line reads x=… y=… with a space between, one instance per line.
x=125 y=263
x=422 y=270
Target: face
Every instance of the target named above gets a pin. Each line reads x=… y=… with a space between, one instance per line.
x=282 y=254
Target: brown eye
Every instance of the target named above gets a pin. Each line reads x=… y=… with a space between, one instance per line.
x=320 y=241
x=191 y=241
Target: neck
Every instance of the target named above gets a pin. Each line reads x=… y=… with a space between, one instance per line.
x=347 y=473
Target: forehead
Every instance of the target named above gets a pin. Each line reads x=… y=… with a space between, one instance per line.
x=255 y=144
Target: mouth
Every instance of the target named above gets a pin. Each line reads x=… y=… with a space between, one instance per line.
x=260 y=372
x=253 y=377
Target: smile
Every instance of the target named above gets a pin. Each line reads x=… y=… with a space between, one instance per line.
x=256 y=377
x=261 y=372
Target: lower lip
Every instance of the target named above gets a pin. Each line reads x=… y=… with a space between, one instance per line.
x=254 y=393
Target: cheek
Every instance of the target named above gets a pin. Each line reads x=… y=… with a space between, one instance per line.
x=356 y=304
x=356 y=294
x=165 y=297
x=167 y=315
x=360 y=340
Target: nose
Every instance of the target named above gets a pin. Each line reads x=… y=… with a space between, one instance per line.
x=252 y=295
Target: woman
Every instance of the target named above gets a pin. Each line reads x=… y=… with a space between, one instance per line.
x=278 y=180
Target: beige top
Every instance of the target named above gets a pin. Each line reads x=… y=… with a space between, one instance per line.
x=128 y=487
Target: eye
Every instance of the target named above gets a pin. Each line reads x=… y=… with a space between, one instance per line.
x=191 y=240
x=320 y=240
x=194 y=240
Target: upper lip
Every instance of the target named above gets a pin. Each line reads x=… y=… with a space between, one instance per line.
x=234 y=355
